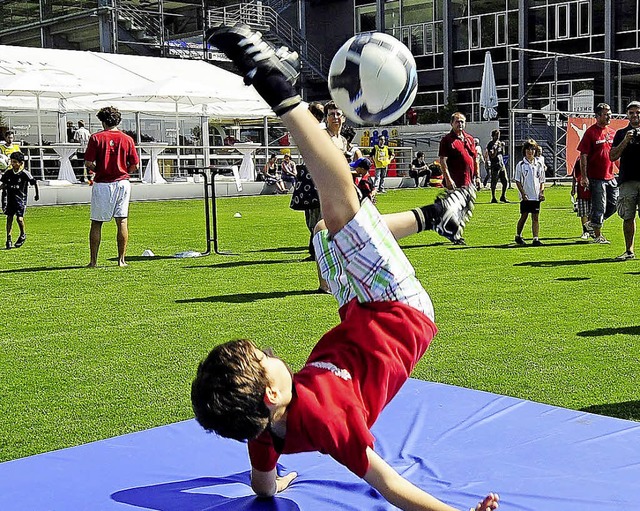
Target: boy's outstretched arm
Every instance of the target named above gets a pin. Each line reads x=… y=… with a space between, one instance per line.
x=405 y=495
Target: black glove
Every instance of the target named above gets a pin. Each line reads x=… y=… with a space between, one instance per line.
x=272 y=73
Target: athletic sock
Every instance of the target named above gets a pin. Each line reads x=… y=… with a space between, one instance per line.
x=426 y=216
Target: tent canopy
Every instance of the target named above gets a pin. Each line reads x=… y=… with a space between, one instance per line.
x=103 y=79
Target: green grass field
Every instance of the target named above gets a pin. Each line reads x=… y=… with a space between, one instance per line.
x=87 y=354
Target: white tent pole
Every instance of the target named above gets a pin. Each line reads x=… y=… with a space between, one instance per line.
x=177 y=138
x=40 y=137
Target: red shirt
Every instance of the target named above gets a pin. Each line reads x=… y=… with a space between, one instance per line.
x=114 y=152
x=596 y=144
x=461 y=157
x=350 y=376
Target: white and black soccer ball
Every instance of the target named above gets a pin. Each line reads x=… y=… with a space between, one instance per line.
x=373 y=78
x=4 y=162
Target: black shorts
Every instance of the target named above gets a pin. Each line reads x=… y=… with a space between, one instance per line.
x=15 y=206
x=529 y=206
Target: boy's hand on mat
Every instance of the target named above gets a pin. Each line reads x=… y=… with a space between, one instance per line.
x=489 y=503
x=282 y=483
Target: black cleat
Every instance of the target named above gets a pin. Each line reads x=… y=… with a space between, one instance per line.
x=20 y=241
x=274 y=73
x=456 y=211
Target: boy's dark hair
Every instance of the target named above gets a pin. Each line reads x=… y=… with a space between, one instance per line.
x=8 y=132
x=227 y=394
x=419 y=154
x=80 y=124
x=18 y=156
x=495 y=133
x=110 y=115
x=348 y=132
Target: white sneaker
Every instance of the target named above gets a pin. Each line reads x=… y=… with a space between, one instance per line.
x=626 y=256
x=601 y=240
x=585 y=236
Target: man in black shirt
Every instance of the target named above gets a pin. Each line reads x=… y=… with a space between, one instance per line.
x=626 y=146
x=495 y=150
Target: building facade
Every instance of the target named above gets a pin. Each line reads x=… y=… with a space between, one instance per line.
x=547 y=54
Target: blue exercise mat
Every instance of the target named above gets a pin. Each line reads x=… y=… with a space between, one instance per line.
x=455 y=443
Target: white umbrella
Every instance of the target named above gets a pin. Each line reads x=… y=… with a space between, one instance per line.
x=488 y=90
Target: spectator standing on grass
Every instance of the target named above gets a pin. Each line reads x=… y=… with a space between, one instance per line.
x=81 y=136
x=529 y=178
x=582 y=198
x=495 y=151
x=382 y=157
x=597 y=170
x=458 y=157
x=15 y=183
x=626 y=147
x=112 y=156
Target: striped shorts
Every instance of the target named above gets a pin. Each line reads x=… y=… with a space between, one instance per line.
x=364 y=261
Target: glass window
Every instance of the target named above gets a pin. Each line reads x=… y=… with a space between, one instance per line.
x=416 y=11
x=562 y=21
x=487 y=6
x=488 y=30
x=392 y=15
x=584 y=20
x=538 y=24
x=438 y=37
x=512 y=29
x=625 y=16
x=474 y=34
x=417 y=40
x=366 y=18
x=501 y=28
x=459 y=8
x=461 y=34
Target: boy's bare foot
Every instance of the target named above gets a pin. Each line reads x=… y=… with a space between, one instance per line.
x=92 y=265
x=489 y=503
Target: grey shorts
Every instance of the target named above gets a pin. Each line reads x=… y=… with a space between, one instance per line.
x=628 y=199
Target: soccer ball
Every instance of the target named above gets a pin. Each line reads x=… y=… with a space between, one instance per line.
x=373 y=78
x=4 y=162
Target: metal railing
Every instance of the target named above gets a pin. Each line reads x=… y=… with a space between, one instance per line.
x=273 y=27
x=148 y=24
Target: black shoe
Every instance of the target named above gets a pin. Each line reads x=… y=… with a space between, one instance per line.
x=494 y=201
x=20 y=241
x=520 y=240
x=272 y=72
x=504 y=199
x=8 y=244
x=456 y=211
x=459 y=241
x=537 y=243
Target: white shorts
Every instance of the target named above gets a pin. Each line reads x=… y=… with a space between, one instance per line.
x=109 y=200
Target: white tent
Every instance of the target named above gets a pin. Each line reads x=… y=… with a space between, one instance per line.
x=118 y=75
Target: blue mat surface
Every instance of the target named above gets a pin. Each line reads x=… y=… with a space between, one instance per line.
x=456 y=443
